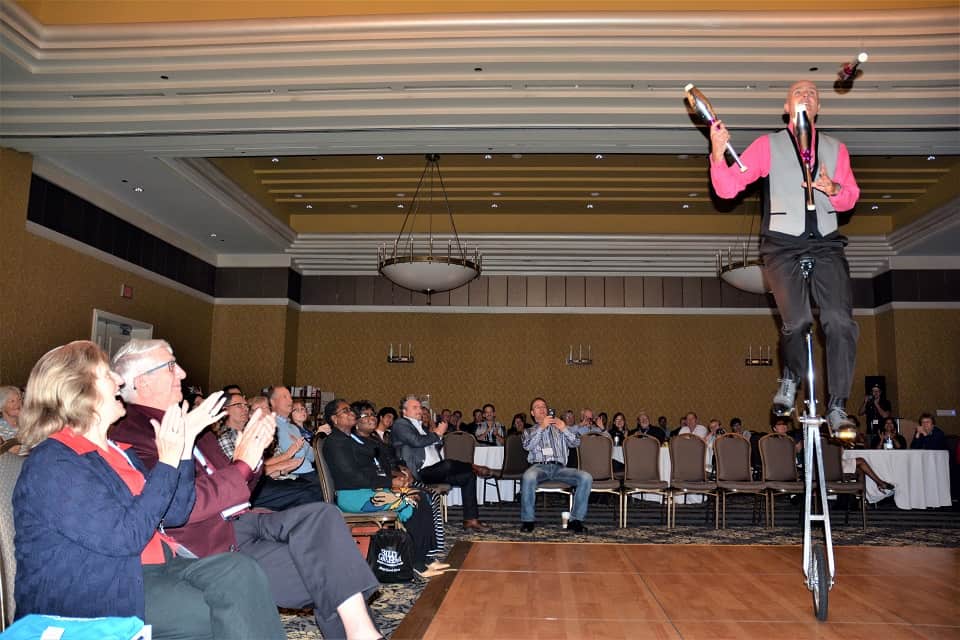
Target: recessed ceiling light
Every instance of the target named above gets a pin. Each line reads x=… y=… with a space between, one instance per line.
x=589 y=205
x=692 y=194
x=379 y=157
x=494 y=206
x=595 y=193
x=274 y=160
x=517 y=156
x=496 y=193
x=138 y=189
x=682 y=156
x=685 y=206
x=599 y=156
x=875 y=207
x=886 y=196
x=400 y=195
x=354 y=206
x=931 y=157
x=487 y=156
x=213 y=235
x=298 y=195
x=309 y=206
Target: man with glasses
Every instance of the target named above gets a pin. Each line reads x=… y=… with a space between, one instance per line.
x=276 y=490
x=331 y=577
x=419 y=450
x=489 y=431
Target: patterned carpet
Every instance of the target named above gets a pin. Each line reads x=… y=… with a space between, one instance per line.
x=887 y=526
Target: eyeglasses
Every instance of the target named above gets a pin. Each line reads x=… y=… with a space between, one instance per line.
x=344 y=411
x=171 y=367
x=366 y=416
x=238 y=404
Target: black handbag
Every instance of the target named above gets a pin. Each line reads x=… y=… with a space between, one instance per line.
x=391 y=556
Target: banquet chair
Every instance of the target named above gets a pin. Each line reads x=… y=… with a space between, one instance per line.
x=514 y=464
x=378 y=518
x=778 y=463
x=641 y=474
x=460 y=445
x=731 y=458
x=596 y=458
x=838 y=485
x=10 y=465
x=688 y=474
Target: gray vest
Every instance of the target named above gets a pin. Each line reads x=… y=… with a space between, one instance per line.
x=786 y=203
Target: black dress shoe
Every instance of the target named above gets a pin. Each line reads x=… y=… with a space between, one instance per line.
x=575 y=526
x=528 y=527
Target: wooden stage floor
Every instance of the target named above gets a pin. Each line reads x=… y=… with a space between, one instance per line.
x=569 y=591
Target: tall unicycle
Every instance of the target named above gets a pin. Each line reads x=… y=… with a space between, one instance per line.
x=818 y=565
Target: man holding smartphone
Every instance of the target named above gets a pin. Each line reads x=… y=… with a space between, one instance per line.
x=547 y=443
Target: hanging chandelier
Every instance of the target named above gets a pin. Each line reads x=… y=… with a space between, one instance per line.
x=744 y=274
x=414 y=262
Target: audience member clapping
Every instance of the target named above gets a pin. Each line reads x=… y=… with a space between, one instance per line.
x=88 y=514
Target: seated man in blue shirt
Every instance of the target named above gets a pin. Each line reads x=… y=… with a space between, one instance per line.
x=281 y=402
x=547 y=443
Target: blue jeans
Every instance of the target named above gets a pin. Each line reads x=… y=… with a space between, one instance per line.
x=581 y=481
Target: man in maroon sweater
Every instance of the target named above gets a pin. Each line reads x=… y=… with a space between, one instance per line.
x=307 y=552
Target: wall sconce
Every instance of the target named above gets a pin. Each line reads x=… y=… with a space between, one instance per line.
x=761 y=361
x=579 y=359
x=398 y=357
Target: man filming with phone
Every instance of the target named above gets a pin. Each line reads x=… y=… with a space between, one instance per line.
x=547 y=443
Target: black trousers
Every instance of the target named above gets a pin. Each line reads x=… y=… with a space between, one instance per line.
x=832 y=292
x=310 y=558
x=278 y=495
x=459 y=474
x=420 y=528
x=221 y=597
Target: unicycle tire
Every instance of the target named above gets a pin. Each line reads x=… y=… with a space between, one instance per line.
x=819 y=581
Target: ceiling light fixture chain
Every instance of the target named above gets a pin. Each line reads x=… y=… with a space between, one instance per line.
x=428 y=272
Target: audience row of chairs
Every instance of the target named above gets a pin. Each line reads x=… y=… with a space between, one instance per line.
x=688 y=474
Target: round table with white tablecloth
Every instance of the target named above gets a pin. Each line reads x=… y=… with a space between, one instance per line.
x=921 y=478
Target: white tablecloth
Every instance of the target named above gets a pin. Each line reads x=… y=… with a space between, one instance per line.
x=491 y=457
x=921 y=478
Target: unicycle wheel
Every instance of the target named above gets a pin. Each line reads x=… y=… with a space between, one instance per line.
x=819 y=581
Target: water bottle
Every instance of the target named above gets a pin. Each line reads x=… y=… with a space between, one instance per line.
x=888 y=443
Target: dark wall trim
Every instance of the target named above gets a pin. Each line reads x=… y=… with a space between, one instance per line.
x=55 y=208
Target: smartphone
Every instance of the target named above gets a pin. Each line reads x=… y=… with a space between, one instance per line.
x=551 y=413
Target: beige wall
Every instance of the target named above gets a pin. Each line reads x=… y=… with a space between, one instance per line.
x=248 y=346
x=664 y=364
x=50 y=292
x=924 y=347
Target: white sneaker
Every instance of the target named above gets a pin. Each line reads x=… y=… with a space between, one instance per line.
x=837 y=419
x=785 y=398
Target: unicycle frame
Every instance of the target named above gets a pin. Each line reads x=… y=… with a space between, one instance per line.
x=813 y=459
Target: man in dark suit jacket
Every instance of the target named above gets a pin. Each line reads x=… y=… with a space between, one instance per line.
x=419 y=450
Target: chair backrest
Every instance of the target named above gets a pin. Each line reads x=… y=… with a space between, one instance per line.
x=327 y=487
x=687 y=453
x=832 y=461
x=514 y=455
x=641 y=459
x=732 y=456
x=10 y=465
x=596 y=456
x=459 y=445
x=778 y=457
